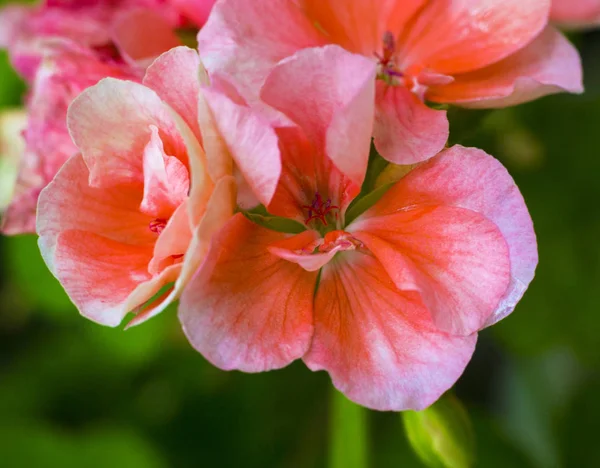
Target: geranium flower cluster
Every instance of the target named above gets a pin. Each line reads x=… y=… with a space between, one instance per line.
x=233 y=177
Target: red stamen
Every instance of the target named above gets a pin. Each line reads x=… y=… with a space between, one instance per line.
x=157 y=225
x=319 y=209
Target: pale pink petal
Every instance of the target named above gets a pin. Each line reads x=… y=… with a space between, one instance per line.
x=406 y=130
x=470 y=178
x=329 y=93
x=250 y=140
x=175 y=78
x=247 y=309
x=142 y=34
x=69 y=203
x=575 y=13
x=455 y=258
x=378 y=343
x=245 y=39
x=471 y=34
x=114 y=118
x=220 y=209
x=166 y=180
x=550 y=64
x=99 y=274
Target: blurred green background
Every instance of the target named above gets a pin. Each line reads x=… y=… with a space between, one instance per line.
x=74 y=394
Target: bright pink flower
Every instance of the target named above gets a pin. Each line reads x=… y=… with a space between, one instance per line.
x=134 y=211
x=575 y=13
x=466 y=52
x=402 y=289
x=196 y=11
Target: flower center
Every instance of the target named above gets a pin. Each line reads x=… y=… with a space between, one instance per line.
x=157 y=225
x=320 y=212
x=340 y=240
x=416 y=78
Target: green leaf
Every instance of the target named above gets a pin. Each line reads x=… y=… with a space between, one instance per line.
x=348 y=433
x=275 y=223
x=366 y=202
x=441 y=435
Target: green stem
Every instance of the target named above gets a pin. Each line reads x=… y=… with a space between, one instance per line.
x=348 y=433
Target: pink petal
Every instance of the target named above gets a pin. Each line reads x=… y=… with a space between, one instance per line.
x=251 y=141
x=99 y=274
x=114 y=118
x=69 y=203
x=247 y=309
x=141 y=35
x=329 y=93
x=471 y=179
x=244 y=40
x=455 y=258
x=175 y=78
x=173 y=241
x=378 y=343
x=471 y=34
x=195 y=10
x=406 y=130
x=300 y=248
x=166 y=180
x=575 y=13
x=550 y=64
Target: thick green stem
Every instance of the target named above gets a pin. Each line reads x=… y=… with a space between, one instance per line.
x=348 y=433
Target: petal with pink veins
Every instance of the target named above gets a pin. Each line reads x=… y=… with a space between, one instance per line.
x=471 y=34
x=550 y=64
x=329 y=93
x=247 y=309
x=406 y=130
x=378 y=343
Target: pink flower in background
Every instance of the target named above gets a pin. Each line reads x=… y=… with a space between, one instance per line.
x=196 y=11
x=467 y=52
x=134 y=211
x=388 y=303
x=575 y=13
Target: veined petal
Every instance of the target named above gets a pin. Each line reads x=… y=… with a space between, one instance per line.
x=406 y=130
x=455 y=258
x=247 y=309
x=550 y=64
x=471 y=34
x=330 y=94
x=378 y=343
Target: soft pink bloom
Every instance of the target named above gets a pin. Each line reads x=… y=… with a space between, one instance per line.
x=402 y=289
x=62 y=48
x=575 y=13
x=133 y=212
x=467 y=52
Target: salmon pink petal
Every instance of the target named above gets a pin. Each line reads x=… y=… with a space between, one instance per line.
x=175 y=78
x=457 y=36
x=245 y=39
x=99 y=274
x=251 y=141
x=359 y=25
x=142 y=34
x=69 y=203
x=300 y=249
x=550 y=64
x=329 y=93
x=195 y=10
x=406 y=130
x=456 y=258
x=471 y=179
x=173 y=241
x=115 y=117
x=166 y=179
x=247 y=309
x=378 y=343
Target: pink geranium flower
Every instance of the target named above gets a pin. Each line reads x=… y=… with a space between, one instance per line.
x=576 y=13
x=134 y=211
x=62 y=48
x=388 y=303
x=465 y=52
